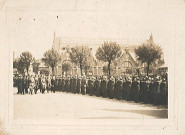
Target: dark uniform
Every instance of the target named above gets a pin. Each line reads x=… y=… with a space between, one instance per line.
x=20 y=85
x=128 y=89
x=83 y=86
x=97 y=87
x=60 y=84
x=156 y=91
x=63 y=84
x=39 y=84
x=90 y=86
x=71 y=84
x=111 y=88
x=67 y=85
x=124 y=89
x=151 y=92
x=136 y=89
x=141 y=90
x=163 y=92
x=25 y=85
x=146 y=91
x=75 y=85
x=119 y=89
x=104 y=87
x=78 y=88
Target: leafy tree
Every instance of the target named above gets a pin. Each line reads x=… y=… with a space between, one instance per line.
x=80 y=55
x=24 y=61
x=148 y=53
x=66 y=66
x=108 y=52
x=51 y=58
x=105 y=69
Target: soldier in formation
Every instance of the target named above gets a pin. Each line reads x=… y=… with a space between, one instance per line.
x=138 y=89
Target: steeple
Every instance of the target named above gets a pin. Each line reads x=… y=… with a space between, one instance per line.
x=151 y=37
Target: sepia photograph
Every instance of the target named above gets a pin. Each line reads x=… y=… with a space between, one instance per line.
x=95 y=65
x=88 y=77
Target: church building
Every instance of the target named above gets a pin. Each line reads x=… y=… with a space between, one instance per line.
x=125 y=64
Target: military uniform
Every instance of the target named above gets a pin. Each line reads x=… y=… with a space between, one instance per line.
x=104 y=87
x=90 y=86
x=97 y=87
x=163 y=92
x=151 y=92
x=128 y=88
x=60 y=84
x=136 y=89
x=67 y=84
x=75 y=85
x=119 y=89
x=111 y=87
x=124 y=89
x=43 y=84
x=146 y=90
x=83 y=86
x=63 y=84
x=156 y=91
x=79 y=85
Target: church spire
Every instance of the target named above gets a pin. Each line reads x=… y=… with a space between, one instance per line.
x=151 y=37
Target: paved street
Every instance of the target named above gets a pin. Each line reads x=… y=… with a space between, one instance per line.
x=61 y=105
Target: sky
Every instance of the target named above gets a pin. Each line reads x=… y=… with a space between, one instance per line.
x=32 y=26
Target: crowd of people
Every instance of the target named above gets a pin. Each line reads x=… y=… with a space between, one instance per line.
x=131 y=88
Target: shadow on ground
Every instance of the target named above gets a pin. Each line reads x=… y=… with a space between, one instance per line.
x=155 y=113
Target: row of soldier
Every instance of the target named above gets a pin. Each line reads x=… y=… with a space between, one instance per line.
x=145 y=89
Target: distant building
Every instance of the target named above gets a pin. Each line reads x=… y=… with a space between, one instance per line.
x=126 y=64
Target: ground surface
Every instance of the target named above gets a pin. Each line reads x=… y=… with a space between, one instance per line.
x=74 y=106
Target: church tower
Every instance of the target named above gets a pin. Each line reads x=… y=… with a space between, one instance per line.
x=56 y=45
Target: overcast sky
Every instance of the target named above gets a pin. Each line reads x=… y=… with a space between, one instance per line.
x=131 y=21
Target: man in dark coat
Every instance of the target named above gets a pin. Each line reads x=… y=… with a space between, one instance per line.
x=67 y=84
x=104 y=87
x=141 y=90
x=136 y=89
x=60 y=84
x=146 y=89
x=97 y=86
x=151 y=91
x=83 y=85
x=20 y=84
x=119 y=89
x=91 y=86
x=78 y=87
x=124 y=89
x=111 y=87
x=63 y=84
x=53 y=84
x=71 y=84
x=163 y=92
x=75 y=84
x=128 y=88
x=156 y=90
